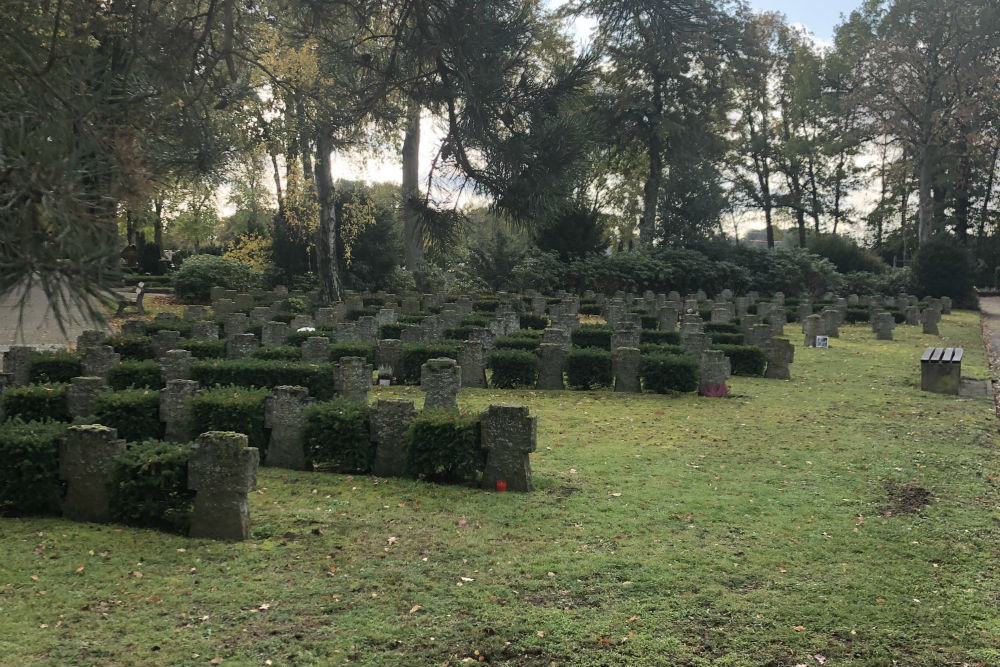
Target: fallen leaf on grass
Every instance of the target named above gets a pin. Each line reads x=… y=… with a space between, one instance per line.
x=820 y=658
x=414 y=609
x=79 y=569
x=799 y=628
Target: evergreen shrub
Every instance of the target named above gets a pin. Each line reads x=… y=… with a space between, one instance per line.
x=127 y=374
x=588 y=367
x=29 y=467
x=512 y=368
x=336 y=435
x=414 y=355
x=663 y=373
x=55 y=366
x=149 y=486
x=232 y=408
x=36 y=402
x=444 y=446
x=746 y=360
x=134 y=412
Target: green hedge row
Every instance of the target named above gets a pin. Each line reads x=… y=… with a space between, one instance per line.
x=36 y=402
x=57 y=366
x=149 y=486
x=29 y=467
x=266 y=373
x=414 y=355
x=512 y=368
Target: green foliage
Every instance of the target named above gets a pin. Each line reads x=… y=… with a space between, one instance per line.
x=531 y=321
x=414 y=355
x=266 y=373
x=278 y=352
x=890 y=281
x=56 y=366
x=231 y=408
x=183 y=327
x=198 y=274
x=658 y=337
x=746 y=360
x=355 y=315
x=204 y=348
x=663 y=373
x=460 y=333
x=336 y=435
x=29 y=467
x=134 y=412
x=353 y=349
x=592 y=335
x=134 y=348
x=660 y=348
x=416 y=318
x=299 y=337
x=486 y=305
x=576 y=231
x=477 y=320
x=847 y=256
x=943 y=267
x=590 y=309
x=36 y=402
x=857 y=314
x=518 y=341
x=728 y=338
x=149 y=486
x=512 y=368
x=135 y=374
x=721 y=327
x=588 y=367
x=444 y=446
x=390 y=331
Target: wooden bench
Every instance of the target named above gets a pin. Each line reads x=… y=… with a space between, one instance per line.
x=941 y=370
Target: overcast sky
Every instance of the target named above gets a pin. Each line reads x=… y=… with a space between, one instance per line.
x=819 y=17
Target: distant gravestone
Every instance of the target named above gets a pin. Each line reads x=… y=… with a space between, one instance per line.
x=133 y=328
x=714 y=372
x=80 y=395
x=473 y=364
x=388 y=353
x=222 y=470
x=549 y=363
x=90 y=338
x=354 y=378
x=98 y=361
x=241 y=346
x=509 y=435
x=236 y=324
x=811 y=327
x=929 y=318
x=17 y=362
x=389 y=421
x=315 y=350
x=164 y=340
x=176 y=412
x=441 y=379
x=86 y=462
x=780 y=353
x=283 y=415
x=176 y=365
x=205 y=330
x=273 y=333
x=884 y=324
x=625 y=363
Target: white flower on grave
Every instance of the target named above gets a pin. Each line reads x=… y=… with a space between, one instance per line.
x=306 y=329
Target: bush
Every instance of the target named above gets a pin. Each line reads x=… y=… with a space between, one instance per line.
x=512 y=368
x=943 y=267
x=183 y=327
x=412 y=319
x=857 y=314
x=486 y=305
x=390 y=331
x=58 y=366
x=336 y=435
x=728 y=338
x=589 y=309
x=135 y=374
x=414 y=355
x=659 y=337
x=352 y=349
x=460 y=333
x=296 y=338
x=745 y=359
x=519 y=341
x=592 y=335
x=444 y=446
x=135 y=348
x=355 y=315
x=196 y=277
x=588 y=367
x=134 y=412
x=265 y=373
x=278 y=352
x=36 y=402
x=663 y=373
x=475 y=321
x=721 y=327
x=149 y=486
x=650 y=322
x=29 y=467
x=845 y=254
x=530 y=321
x=230 y=408
x=206 y=348
x=660 y=348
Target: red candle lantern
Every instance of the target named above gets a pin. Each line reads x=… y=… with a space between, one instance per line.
x=501 y=485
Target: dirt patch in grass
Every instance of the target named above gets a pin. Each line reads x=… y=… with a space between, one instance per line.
x=905 y=498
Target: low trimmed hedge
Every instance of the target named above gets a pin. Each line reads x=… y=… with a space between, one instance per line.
x=588 y=367
x=56 y=366
x=29 y=467
x=666 y=373
x=266 y=373
x=531 y=321
x=592 y=335
x=728 y=338
x=721 y=327
x=589 y=309
x=414 y=355
x=486 y=305
x=460 y=333
x=133 y=348
x=444 y=446
x=336 y=435
x=36 y=402
x=475 y=321
x=230 y=408
x=298 y=337
x=660 y=348
x=149 y=486
x=135 y=374
x=278 y=352
x=512 y=369
x=519 y=341
x=181 y=326
x=352 y=349
x=204 y=348
x=857 y=314
x=390 y=331
x=135 y=413
x=660 y=337
x=746 y=360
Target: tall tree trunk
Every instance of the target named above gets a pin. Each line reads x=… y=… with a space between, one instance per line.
x=988 y=194
x=926 y=202
x=814 y=195
x=413 y=227
x=963 y=198
x=158 y=223
x=302 y=125
x=904 y=200
x=651 y=191
x=277 y=184
x=326 y=243
x=129 y=227
x=769 y=228
x=800 y=218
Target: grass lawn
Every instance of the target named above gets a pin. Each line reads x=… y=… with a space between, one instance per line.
x=843 y=517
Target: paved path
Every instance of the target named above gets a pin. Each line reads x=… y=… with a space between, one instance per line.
x=989 y=307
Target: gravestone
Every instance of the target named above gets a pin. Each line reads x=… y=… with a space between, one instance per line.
x=625 y=364
x=176 y=412
x=613 y=311
x=549 y=359
x=538 y=305
x=830 y=319
x=557 y=336
x=236 y=324
x=387 y=353
x=6 y=382
x=667 y=318
x=216 y=293
x=759 y=335
x=780 y=353
x=388 y=316
x=748 y=322
x=884 y=324
x=411 y=334
x=509 y=435
x=741 y=303
x=175 y=365
x=98 y=361
x=223 y=308
x=929 y=318
x=626 y=334
x=410 y=305
x=90 y=338
x=315 y=350
x=946 y=305
x=243 y=301
x=80 y=395
x=222 y=470
x=301 y=322
x=205 y=330
x=811 y=327
x=326 y=318
x=17 y=362
x=283 y=415
x=86 y=463
x=472 y=361
x=720 y=314
x=805 y=310
x=714 y=370
x=260 y=315
x=695 y=342
x=912 y=315
x=133 y=328
x=353 y=378
x=274 y=333
x=389 y=421
x=441 y=380
x=164 y=340
x=195 y=313
x=241 y=346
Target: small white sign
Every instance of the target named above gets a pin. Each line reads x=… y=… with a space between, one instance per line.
x=822 y=341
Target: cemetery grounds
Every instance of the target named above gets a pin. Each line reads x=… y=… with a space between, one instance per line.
x=843 y=517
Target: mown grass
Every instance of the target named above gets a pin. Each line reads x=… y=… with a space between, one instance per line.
x=785 y=525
